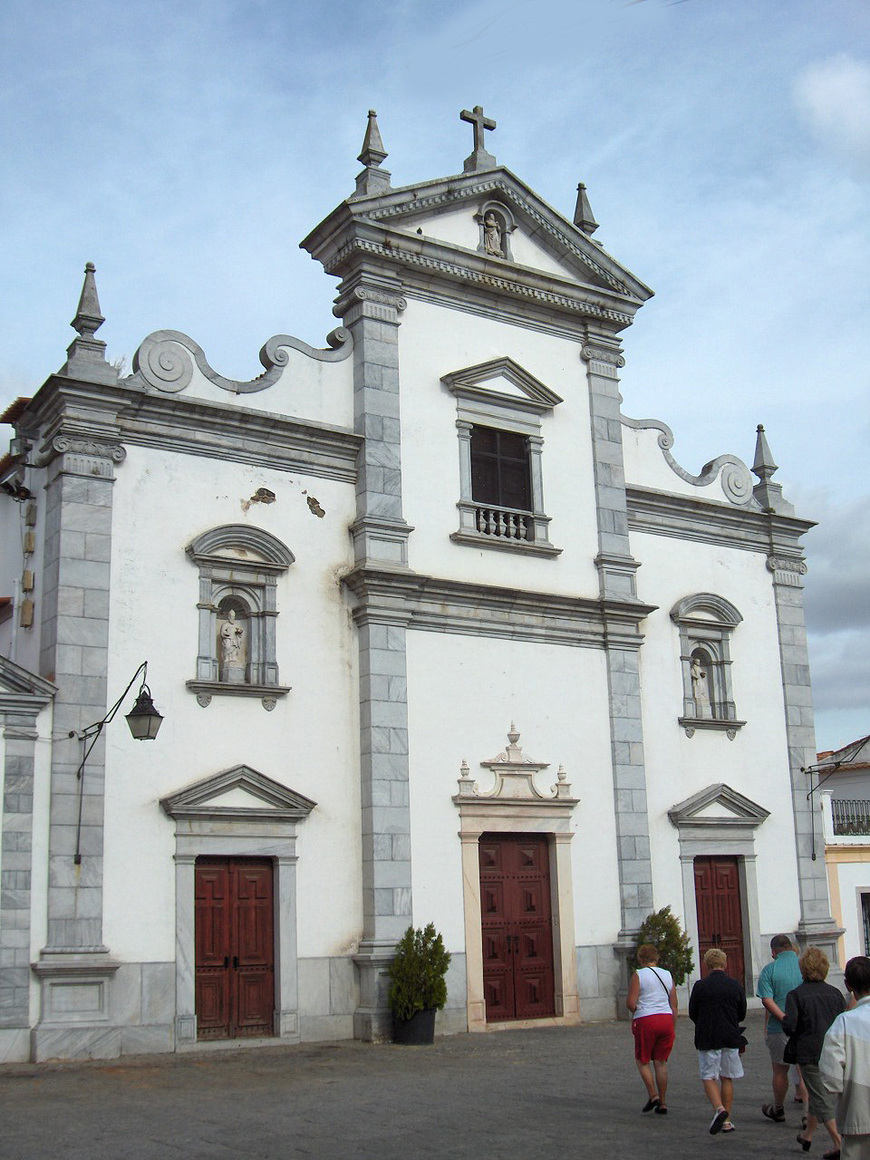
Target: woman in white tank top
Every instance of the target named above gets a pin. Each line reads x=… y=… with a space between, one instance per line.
x=652 y=1000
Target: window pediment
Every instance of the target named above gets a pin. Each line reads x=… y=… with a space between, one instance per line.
x=503 y=381
x=717 y=805
x=237 y=794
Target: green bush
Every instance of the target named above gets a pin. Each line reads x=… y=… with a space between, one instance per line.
x=663 y=930
x=418 y=972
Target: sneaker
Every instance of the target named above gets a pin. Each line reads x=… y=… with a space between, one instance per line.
x=717 y=1121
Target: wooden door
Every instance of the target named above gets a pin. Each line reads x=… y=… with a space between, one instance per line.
x=516 y=926
x=235 y=956
x=717 y=898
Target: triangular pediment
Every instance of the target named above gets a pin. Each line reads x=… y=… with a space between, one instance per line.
x=240 y=792
x=18 y=682
x=434 y=232
x=718 y=805
x=542 y=239
x=502 y=380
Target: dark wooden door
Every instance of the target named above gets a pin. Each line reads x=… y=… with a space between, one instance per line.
x=235 y=955
x=517 y=927
x=717 y=898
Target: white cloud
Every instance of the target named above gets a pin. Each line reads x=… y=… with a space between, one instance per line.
x=833 y=97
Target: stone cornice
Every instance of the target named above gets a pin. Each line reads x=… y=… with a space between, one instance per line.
x=460 y=273
x=712 y=522
x=108 y=416
x=222 y=431
x=434 y=604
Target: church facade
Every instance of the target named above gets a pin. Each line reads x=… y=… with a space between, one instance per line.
x=438 y=633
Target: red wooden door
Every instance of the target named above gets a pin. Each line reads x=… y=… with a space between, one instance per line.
x=717 y=898
x=516 y=925
x=235 y=957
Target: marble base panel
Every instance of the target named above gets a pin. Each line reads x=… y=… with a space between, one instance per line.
x=75 y=1042
x=15 y=1045
x=598 y=974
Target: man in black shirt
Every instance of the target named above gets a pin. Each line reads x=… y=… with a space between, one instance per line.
x=716 y=1007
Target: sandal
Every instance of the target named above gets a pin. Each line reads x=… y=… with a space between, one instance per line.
x=650 y=1104
x=772 y=1113
x=662 y=1110
x=717 y=1122
x=727 y=1127
x=834 y=1154
x=805 y=1144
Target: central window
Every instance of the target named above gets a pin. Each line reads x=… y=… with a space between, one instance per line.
x=501 y=481
x=500 y=410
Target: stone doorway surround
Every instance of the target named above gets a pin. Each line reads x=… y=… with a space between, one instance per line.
x=515 y=805
x=720 y=821
x=237 y=813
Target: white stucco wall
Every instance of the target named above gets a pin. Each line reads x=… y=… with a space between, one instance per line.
x=646 y=466
x=435 y=341
x=851 y=881
x=463 y=694
x=755 y=763
x=309 y=742
x=306 y=388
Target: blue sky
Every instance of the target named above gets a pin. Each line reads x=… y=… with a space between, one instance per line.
x=186 y=147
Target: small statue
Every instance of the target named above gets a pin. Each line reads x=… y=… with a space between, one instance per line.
x=232 y=648
x=700 y=689
x=492 y=235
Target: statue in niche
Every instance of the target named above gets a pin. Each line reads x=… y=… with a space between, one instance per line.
x=492 y=235
x=700 y=688
x=232 y=641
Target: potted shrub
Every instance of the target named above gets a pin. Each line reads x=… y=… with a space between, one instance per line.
x=663 y=930
x=418 y=988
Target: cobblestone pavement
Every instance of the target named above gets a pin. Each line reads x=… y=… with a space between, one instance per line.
x=545 y=1093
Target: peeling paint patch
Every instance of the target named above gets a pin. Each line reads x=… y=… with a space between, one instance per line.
x=261 y=495
x=315 y=507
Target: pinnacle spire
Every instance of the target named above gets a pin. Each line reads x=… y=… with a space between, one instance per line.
x=373 y=152
x=763 y=466
x=86 y=354
x=373 y=179
x=583 y=218
x=767 y=493
x=88 y=319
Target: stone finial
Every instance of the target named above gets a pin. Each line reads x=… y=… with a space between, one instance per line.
x=583 y=218
x=86 y=355
x=373 y=179
x=768 y=494
x=373 y=151
x=88 y=319
x=479 y=158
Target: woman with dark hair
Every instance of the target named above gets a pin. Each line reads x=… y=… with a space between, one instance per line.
x=652 y=1000
x=810 y=1009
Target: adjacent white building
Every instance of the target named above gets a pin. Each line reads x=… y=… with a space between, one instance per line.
x=438 y=631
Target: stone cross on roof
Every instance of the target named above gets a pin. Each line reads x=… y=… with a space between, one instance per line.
x=479 y=158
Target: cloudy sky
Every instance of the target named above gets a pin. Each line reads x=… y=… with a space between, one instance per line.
x=186 y=146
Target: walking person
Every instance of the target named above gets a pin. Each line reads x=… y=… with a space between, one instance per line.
x=652 y=1000
x=774 y=983
x=845 y=1065
x=810 y=1009
x=717 y=1006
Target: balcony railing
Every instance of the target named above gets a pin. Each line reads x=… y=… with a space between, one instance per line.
x=850 y=817
x=504 y=523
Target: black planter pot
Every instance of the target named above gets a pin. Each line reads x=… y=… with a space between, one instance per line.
x=417 y=1030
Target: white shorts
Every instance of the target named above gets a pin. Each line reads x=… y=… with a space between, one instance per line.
x=724 y=1063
